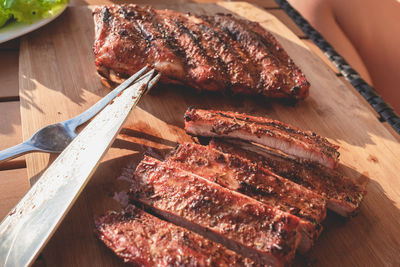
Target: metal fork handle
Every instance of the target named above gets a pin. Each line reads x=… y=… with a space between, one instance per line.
x=93 y=110
x=71 y=124
x=16 y=151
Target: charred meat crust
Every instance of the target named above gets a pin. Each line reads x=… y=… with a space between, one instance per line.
x=342 y=194
x=273 y=133
x=265 y=234
x=144 y=240
x=241 y=175
x=268 y=54
x=203 y=52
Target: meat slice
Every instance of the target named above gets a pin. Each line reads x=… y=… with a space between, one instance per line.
x=272 y=133
x=144 y=240
x=202 y=52
x=241 y=175
x=343 y=195
x=249 y=227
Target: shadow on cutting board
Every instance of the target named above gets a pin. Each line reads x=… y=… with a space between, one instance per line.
x=57 y=70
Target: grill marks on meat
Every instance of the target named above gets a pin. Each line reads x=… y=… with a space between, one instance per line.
x=272 y=133
x=203 y=68
x=239 y=174
x=291 y=77
x=212 y=53
x=277 y=70
x=131 y=38
x=166 y=52
x=343 y=195
x=144 y=240
x=243 y=73
x=265 y=234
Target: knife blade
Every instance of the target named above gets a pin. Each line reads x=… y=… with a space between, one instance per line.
x=29 y=226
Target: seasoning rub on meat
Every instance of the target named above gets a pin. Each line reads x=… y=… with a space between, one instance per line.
x=241 y=175
x=342 y=194
x=262 y=233
x=272 y=133
x=231 y=202
x=211 y=53
x=145 y=240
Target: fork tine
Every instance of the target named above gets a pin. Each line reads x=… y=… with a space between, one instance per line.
x=144 y=76
x=71 y=124
x=131 y=79
x=152 y=83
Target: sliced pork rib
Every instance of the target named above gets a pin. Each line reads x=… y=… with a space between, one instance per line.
x=212 y=53
x=239 y=174
x=251 y=228
x=343 y=195
x=144 y=240
x=272 y=133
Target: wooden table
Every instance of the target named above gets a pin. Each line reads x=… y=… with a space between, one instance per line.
x=14 y=180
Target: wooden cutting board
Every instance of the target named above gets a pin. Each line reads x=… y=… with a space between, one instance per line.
x=58 y=80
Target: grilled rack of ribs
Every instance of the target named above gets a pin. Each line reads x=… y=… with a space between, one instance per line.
x=263 y=233
x=342 y=194
x=241 y=175
x=145 y=240
x=231 y=202
x=272 y=133
x=212 y=53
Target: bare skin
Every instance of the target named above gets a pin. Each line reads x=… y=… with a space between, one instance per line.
x=366 y=33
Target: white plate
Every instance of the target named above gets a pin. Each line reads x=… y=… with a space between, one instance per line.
x=16 y=29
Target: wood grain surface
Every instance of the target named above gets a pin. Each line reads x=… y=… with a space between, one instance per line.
x=283 y=17
x=9 y=74
x=11 y=131
x=13 y=185
x=58 y=80
x=315 y=49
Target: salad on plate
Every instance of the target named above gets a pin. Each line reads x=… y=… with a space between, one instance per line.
x=28 y=11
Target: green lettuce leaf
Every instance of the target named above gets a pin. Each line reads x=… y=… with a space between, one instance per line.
x=31 y=10
x=4 y=16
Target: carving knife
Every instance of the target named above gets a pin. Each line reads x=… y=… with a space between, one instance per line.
x=29 y=226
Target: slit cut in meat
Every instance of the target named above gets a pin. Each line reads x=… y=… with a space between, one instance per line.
x=241 y=175
x=342 y=194
x=144 y=240
x=272 y=133
x=251 y=228
x=210 y=53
